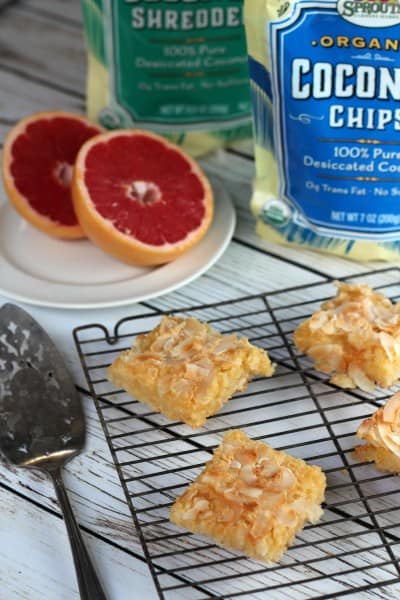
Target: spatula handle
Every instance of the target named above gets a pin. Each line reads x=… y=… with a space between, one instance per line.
x=89 y=584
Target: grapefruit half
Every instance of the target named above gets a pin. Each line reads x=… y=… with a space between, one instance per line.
x=139 y=197
x=38 y=158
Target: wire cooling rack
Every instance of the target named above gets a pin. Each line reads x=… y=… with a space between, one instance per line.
x=355 y=547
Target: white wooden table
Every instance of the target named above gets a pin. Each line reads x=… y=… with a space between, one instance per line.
x=42 y=66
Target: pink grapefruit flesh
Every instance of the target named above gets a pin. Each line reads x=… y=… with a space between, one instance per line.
x=140 y=198
x=38 y=161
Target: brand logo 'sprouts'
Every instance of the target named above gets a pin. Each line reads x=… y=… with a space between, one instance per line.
x=370 y=13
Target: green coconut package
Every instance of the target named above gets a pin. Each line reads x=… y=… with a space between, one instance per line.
x=325 y=84
x=177 y=67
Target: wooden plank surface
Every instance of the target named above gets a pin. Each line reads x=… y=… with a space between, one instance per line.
x=20 y=97
x=64 y=10
x=25 y=40
x=35 y=559
x=42 y=66
x=95 y=491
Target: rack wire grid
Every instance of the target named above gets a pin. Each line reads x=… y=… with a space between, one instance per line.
x=352 y=550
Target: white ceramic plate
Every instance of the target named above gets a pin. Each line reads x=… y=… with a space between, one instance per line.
x=40 y=270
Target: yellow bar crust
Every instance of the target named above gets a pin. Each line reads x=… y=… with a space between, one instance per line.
x=251 y=498
x=355 y=337
x=381 y=432
x=186 y=370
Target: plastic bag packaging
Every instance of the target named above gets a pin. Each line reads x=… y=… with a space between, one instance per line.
x=177 y=67
x=325 y=84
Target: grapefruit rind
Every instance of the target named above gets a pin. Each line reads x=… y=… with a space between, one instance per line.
x=19 y=201
x=102 y=232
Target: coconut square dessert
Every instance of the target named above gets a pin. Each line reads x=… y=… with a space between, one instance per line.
x=381 y=432
x=355 y=337
x=186 y=370
x=251 y=498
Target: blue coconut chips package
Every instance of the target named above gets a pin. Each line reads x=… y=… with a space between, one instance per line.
x=325 y=84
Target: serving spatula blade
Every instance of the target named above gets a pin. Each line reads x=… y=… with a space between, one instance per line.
x=40 y=410
x=42 y=422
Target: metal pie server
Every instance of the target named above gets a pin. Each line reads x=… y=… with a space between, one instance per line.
x=41 y=419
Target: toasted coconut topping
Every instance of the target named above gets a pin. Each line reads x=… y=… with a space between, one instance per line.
x=360 y=379
x=191 y=342
x=252 y=489
x=382 y=429
x=344 y=381
x=186 y=370
x=356 y=337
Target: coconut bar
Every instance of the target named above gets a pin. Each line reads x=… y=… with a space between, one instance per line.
x=381 y=432
x=186 y=370
x=251 y=498
x=355 y=337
